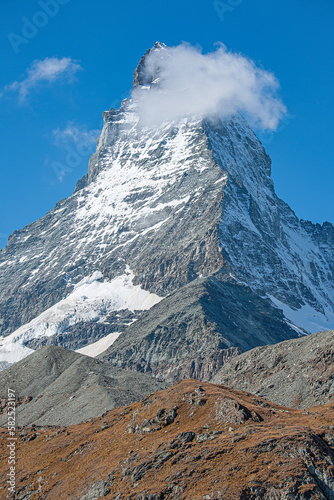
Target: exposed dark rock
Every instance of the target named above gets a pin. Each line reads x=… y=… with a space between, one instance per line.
x=84 y=333
x=163 y=418
x=96 y=491
x=141 y=75
x=182 y=439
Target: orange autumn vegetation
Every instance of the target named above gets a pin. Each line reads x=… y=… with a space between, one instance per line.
x=190 y=441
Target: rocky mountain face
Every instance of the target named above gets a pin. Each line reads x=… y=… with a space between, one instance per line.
x=298 y=373
x=162 y=208
x=195 y=330
x=188 y=442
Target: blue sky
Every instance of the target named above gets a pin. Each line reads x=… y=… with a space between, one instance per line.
x=44 y=122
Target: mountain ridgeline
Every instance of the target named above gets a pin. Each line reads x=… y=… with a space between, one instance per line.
x=177 y=226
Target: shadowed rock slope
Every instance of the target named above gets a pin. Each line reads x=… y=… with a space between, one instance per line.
x=297 y=373
x=61 y=387
x=191 y=333
x=187 y=442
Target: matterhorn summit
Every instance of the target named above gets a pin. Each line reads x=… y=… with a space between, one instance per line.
x=173 y=253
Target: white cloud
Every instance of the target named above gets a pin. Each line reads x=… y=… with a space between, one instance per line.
x=192 y=83
x=75 y=133
x=42 y=71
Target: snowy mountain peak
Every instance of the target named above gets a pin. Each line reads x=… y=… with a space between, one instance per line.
x=175 y=202
x=144 y=74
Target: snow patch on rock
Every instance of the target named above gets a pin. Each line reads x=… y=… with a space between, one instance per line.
x=91 y=300
x=99 y=346
x=306 y=317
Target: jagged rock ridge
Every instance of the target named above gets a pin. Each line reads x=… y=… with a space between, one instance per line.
x=298 y=373
x=197 y=329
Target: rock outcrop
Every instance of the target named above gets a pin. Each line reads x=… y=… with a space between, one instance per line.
x=297 y=373
x=195 y=330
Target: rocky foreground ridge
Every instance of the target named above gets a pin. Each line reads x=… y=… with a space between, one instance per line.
x=56 y=386
x=192 y=441
x=297 y=373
